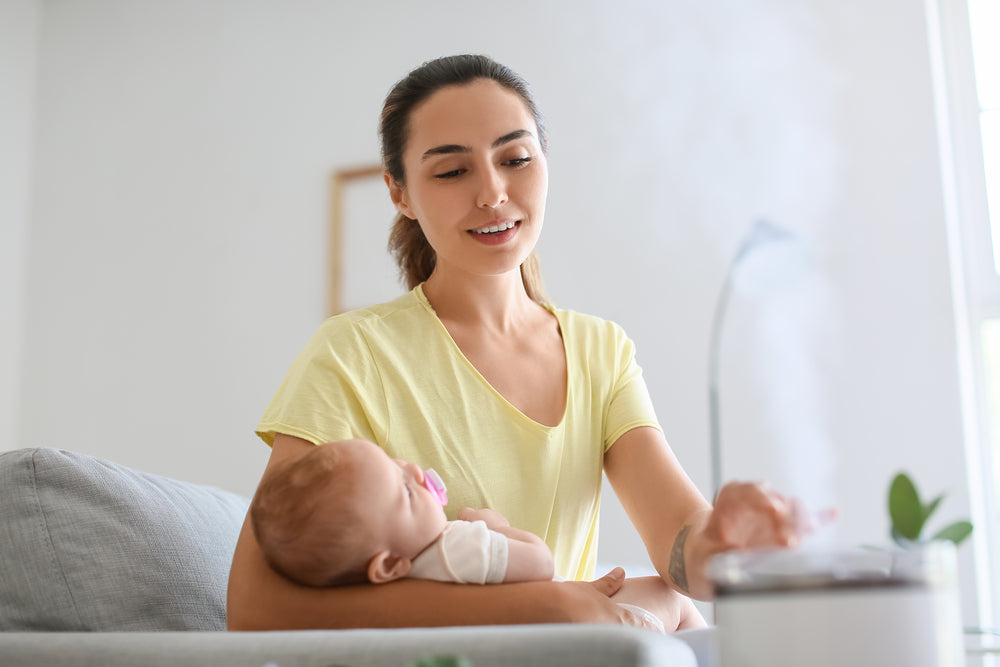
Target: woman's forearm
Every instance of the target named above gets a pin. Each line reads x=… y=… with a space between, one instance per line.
x=665 y=507
x=685 y=563
x=260 y=599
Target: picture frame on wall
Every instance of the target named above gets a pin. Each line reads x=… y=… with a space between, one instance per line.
x=361 y=270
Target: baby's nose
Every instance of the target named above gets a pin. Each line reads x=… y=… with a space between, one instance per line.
x=414 y=470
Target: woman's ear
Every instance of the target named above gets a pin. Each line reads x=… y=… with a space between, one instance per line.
x=397 y=193
x=386 y=566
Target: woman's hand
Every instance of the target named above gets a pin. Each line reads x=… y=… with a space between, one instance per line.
x=752 y=515
x=746 y=515
x=605 y=610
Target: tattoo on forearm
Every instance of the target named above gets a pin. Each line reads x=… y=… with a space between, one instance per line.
x=677 y=569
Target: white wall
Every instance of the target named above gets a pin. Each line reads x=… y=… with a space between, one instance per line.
x=176 y=257
x=18 y=32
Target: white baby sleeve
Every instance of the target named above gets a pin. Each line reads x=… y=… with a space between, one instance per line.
x=466 y=553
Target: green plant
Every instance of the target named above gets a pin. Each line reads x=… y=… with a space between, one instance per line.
x=909 y=515
x=441 y=661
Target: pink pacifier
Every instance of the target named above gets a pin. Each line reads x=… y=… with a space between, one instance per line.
x=433 y=482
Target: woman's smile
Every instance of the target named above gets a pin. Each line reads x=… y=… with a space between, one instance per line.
x=494 y=227
x=496 y=233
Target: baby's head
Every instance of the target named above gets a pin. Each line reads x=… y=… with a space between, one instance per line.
x=345 y=513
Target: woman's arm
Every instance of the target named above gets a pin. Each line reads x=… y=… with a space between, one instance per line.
x=260 y=599
x=680 y=529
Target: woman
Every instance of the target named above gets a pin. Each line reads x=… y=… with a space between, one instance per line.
x=519 y=405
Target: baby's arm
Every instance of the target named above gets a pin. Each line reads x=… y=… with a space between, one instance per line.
x=528 y=557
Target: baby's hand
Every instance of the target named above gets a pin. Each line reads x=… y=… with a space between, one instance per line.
x=492 y=518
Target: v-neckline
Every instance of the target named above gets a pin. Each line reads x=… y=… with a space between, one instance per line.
x=418 y=290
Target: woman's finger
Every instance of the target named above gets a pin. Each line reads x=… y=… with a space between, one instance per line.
x=752 y=514
x=610 y=583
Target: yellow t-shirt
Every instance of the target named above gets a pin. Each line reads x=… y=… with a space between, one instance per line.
x=392 y=374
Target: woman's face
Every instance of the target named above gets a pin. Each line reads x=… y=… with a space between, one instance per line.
x=476 y=178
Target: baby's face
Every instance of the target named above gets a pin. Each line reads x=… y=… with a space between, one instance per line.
x=404 y=516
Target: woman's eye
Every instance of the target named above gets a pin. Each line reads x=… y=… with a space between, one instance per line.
x=519 y=161
x=449 y=174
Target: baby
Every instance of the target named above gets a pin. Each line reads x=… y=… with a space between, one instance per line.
x=347 y=513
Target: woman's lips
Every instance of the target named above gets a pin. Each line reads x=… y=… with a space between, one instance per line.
x=496 y=233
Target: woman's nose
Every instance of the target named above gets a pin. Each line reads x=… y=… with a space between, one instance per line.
x=492 y=190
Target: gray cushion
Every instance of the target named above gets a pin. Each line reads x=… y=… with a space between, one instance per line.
x=91 y=545
x=491 y=646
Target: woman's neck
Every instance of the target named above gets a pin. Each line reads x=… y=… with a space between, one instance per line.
x=498 y=303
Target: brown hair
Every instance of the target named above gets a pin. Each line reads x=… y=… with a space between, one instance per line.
x=297 y=545
x=414 y=255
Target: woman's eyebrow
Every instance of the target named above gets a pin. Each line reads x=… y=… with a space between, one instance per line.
x=456 y=148
x=513 y=136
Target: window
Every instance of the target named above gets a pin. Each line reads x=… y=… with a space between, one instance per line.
x=984 y=22
x=966 y=64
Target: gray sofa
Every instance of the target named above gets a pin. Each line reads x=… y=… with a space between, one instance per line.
x=101 y=564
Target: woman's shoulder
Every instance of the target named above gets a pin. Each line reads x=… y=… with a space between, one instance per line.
x=394 y=315
x=597 y=344
x=576 y=324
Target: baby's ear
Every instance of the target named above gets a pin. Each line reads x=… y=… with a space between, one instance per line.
x=386 y=566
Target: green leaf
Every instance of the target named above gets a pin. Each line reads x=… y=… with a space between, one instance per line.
x=905 y=509
x=956 y=532
x=929 y=509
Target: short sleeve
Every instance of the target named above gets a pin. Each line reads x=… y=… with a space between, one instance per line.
x=332 y=391
x=629 y=405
